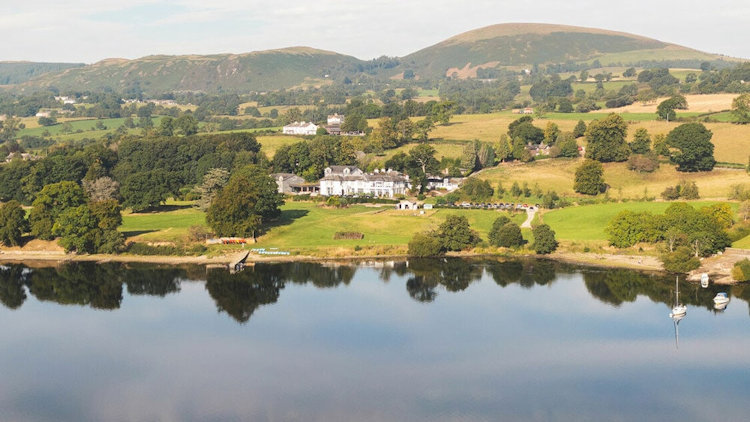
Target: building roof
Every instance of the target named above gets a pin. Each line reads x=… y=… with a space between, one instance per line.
x=300 y=124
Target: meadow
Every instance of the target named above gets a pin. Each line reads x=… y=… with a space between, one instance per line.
x=588 y=222
x=308 y=225
x=559 y=174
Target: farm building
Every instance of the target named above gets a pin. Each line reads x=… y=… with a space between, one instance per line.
x=300 y=128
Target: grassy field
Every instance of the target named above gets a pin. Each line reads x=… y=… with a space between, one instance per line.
x=305 y=225
x=163 y=226
x=86 y=126
x=269 y=144
x=588 y=222
x=450 y=149
x=558 y=175
x=743 y=243
x=732 y=142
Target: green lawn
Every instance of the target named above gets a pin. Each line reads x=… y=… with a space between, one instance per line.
x=87 y=127
x=743 y=243
x=165 y=226
x=307 y=225
x=588 y=222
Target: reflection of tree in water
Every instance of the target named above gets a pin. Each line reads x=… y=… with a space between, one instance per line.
x=453 y=274
x=98 y=286
x=142 y=280
x=85 y=283
x=615 y=286
x=12 y=290
x=240 y=294
x=315 y=273
x=527 y=273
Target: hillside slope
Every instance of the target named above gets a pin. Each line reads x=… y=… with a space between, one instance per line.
x=521 y=45
x=257 y=71
x=18 y=72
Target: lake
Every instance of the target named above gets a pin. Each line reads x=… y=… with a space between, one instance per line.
x=437 y=340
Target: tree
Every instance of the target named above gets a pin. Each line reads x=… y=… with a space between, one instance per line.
x=720 y=212
x=580 y=129
x=660 y=145
x=91 y=228
x=589 y=178
x=504 y=150
x=443 y=111
x=477 y=190
x=425 y=244
x=551 y=131
x=743 y=211
x=420 y=163
x=13 y=223
x=567 y=144
x=508 y=236
x=456 y=234
x=8 y=129
x=741 y=108
x=680 y=261
x=628 y=228
x=493 y=235
x=544 y=239
x=606 y=139
x=101 y=189
x=469 y=157
x=641 y=142
x=485 y=154
x=51 y=201
x=666 y=109
x=423 y=128
x=629 y=72
x=147 y=190
x=47 y=121
x=166 y=126
x=213 y=181
x=241 y=208
x=695 y=150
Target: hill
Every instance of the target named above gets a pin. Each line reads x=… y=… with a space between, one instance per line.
x=521 y=45
x=18 y=72
x=256 y=71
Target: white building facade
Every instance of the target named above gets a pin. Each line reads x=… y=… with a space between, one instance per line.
x=350 y=180
x=300 y=128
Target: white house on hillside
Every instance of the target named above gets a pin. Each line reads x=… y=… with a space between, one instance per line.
x=300 y=128
x=350 y=180
x=335 y=119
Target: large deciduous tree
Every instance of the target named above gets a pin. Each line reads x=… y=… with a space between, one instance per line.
x=544 y=239
x=245 y=204
x=51 y=201
x=13 y=223
x=456 y=234
x=606 y=139
x=741 y=108
x=589 y=178
x=695 y=152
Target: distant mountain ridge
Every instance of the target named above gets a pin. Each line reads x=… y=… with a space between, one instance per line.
x=19 y=72
x=505 y=46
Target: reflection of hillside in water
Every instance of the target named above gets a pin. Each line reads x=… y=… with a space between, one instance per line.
x=100 y=285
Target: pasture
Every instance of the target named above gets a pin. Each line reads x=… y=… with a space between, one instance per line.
x=588 y=222
x=559 y=174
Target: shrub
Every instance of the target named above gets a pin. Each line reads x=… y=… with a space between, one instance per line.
x=589 y=178
x=509 y=236
x=544 y=239
x=425 y=244
x=741 y=270
x=348 y=235
x=680 y=261
x=643 y=163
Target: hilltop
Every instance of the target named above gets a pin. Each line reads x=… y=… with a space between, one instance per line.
x=19 y=72
x=476 y=53
x=522 y=45
x=256 y=71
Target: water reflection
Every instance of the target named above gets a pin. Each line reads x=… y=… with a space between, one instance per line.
x=100 y=286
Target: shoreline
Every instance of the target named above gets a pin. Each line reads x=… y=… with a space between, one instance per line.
x=601 y=260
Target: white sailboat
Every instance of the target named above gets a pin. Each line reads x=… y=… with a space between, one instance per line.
x=678 y=310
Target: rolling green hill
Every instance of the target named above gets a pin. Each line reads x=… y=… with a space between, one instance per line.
x=505 y=46
x=18 y=72
x=521 y=45
x=257 y=71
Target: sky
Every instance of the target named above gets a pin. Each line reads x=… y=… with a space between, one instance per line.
x=91 y=30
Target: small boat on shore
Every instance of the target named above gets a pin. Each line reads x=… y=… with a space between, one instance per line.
x=704 y=280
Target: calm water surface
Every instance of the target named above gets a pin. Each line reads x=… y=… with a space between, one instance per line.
x=440 y=340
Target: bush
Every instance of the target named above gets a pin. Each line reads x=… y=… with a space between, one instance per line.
x=544 y=239
x=685 y=190
x=136 y=248
x=643 y=163
x=741 y=270
x=680 y=261
x=425 y=244
x=348 y=235
x=509 y=236
x=199 y=233
x=589 y=178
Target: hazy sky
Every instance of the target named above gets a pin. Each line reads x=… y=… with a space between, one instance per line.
x=91 y=30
